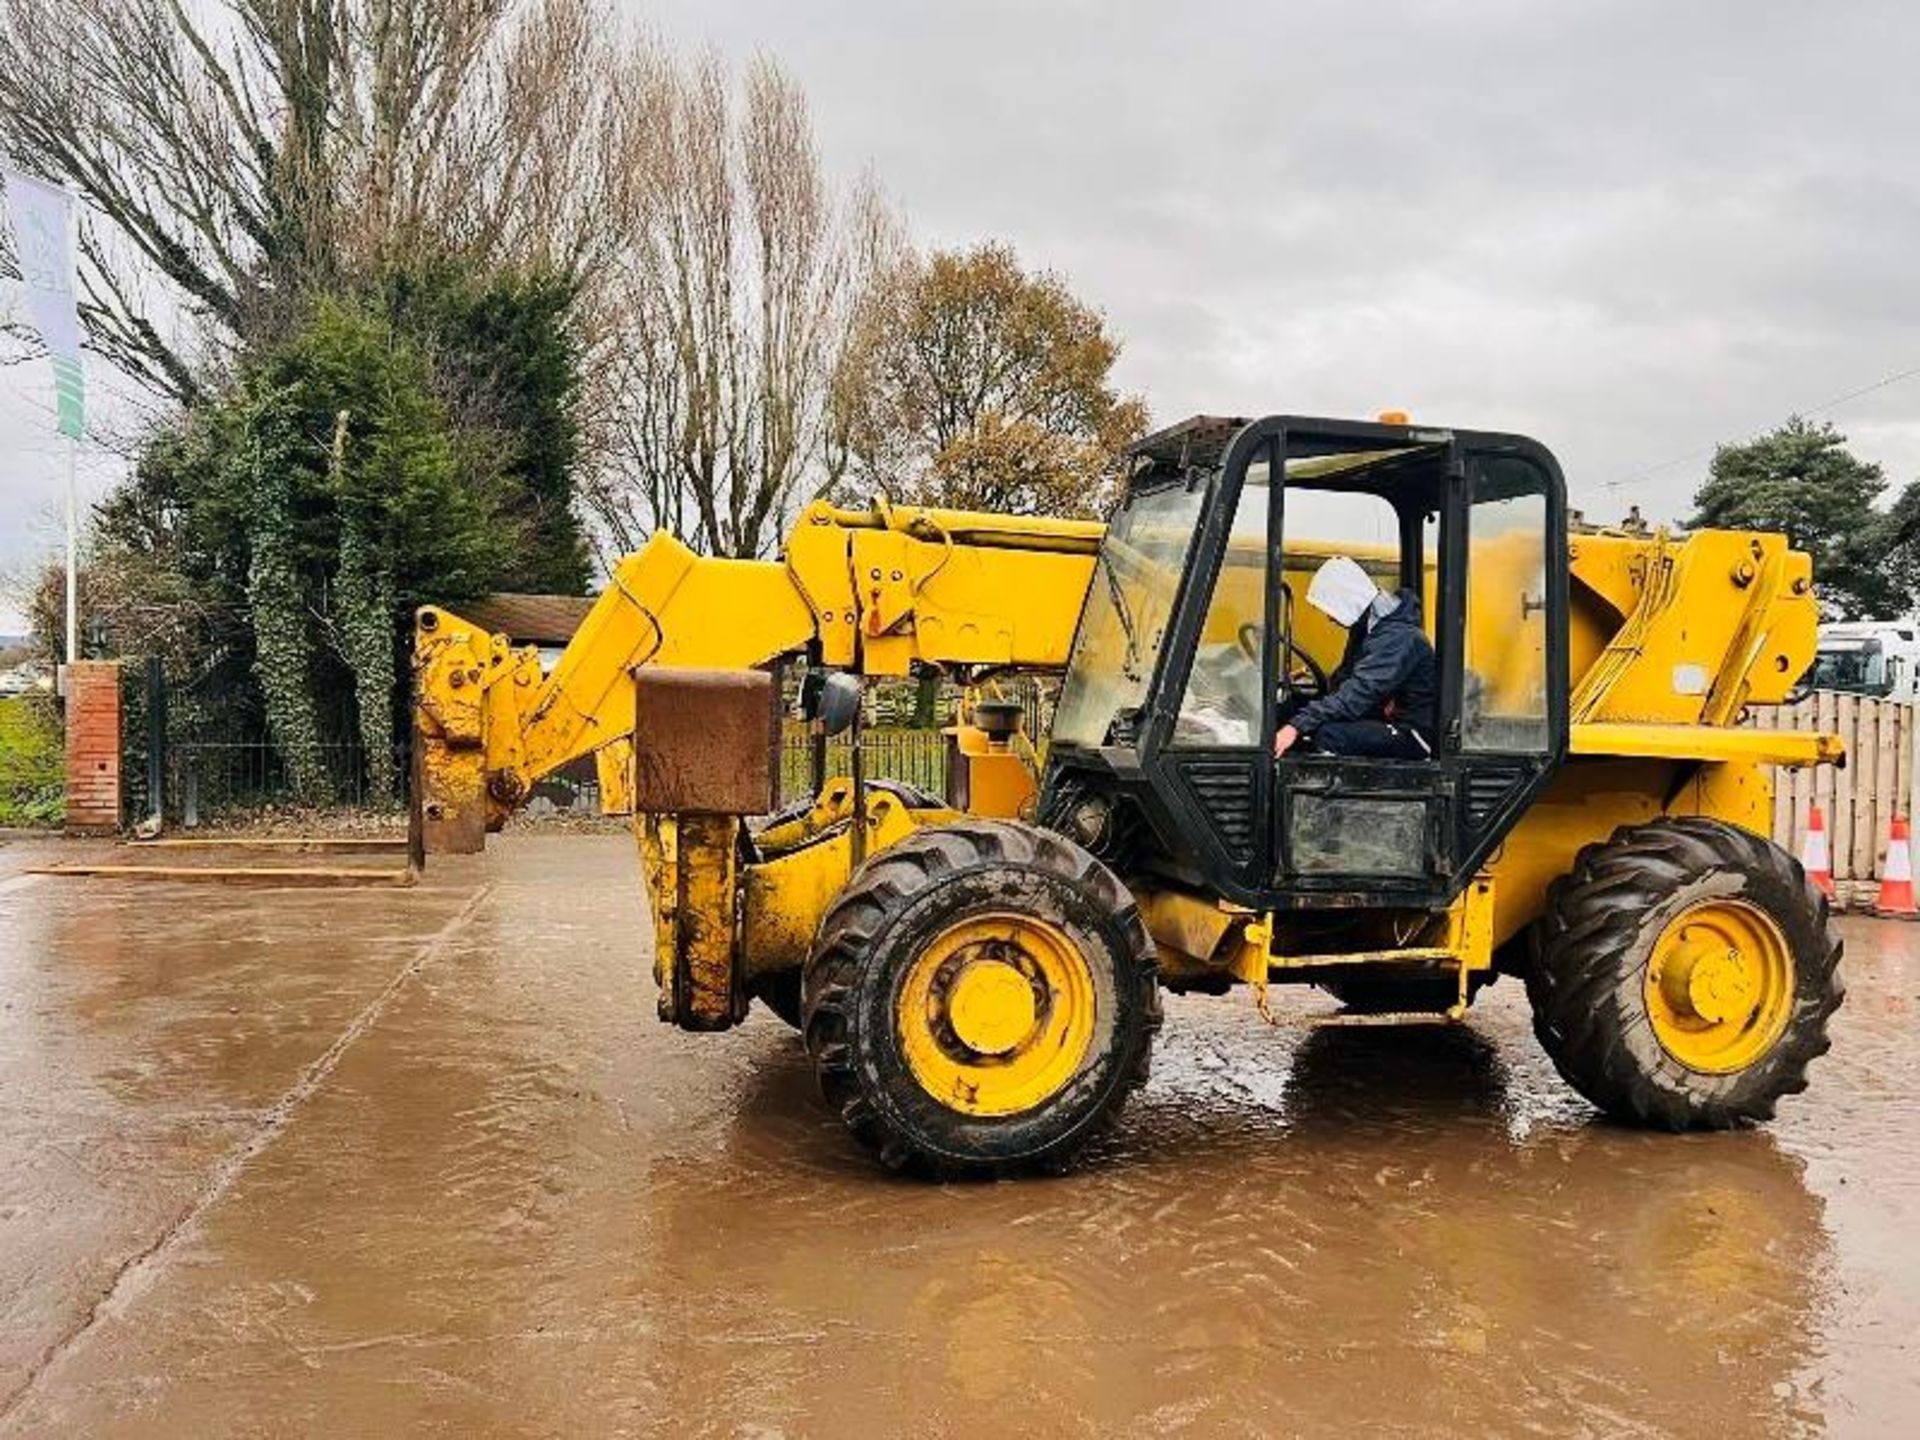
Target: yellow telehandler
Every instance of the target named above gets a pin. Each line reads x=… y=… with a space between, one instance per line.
x=977 y=975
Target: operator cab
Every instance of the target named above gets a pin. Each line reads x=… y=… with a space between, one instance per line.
x=1195 y=645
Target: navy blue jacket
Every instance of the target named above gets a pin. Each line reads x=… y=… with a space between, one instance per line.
x=1388 y=658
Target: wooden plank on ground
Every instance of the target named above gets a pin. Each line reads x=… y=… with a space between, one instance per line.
x=302 y=844
x=294 y=877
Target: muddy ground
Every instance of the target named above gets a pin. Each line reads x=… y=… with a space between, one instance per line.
x=379 y=1161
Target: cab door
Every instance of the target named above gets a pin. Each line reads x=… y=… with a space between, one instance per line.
x=1503 y=651
x=1481 y=540
x=1352 y=830
x=1212 y=773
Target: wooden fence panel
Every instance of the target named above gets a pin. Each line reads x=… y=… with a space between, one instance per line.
x=1881 y=779
x=1824 y=782
x=1802 y=719
x=1846 y=723
x=1903 y=756
x=1886 y=781
x=1785 y=817
x=1863 y=756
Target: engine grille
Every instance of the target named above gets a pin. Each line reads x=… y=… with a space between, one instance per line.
x=1224 y=789
x=1485 y=790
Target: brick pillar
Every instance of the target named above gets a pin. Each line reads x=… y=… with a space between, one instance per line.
x=93 y=747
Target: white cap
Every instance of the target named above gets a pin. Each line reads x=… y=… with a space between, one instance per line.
x=1341 y=590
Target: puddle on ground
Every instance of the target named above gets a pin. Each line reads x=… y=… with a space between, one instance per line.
x=519 y=1205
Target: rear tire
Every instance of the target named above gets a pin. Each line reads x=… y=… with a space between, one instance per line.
x=1660 y=918
x=1060 y=1021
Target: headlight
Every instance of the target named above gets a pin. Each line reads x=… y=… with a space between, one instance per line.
x=1088 y=820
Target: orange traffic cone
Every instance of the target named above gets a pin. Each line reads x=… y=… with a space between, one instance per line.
x=1896 y=875
x=1815 y=855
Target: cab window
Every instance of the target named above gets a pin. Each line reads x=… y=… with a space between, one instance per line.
x=1321 y=524
x=1222 y=702
x=1503 y=700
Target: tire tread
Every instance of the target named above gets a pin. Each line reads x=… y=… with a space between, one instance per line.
x=1591 y=930
x=886 y=885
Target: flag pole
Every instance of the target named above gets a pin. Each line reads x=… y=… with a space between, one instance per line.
x=73 y=549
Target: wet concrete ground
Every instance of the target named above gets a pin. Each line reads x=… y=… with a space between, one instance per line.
x=422 y=1161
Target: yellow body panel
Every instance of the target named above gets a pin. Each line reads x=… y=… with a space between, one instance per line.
x=1000 y=781
x=1203 y=941
x=1686 y=631
x=1705 y=742
x=690 y=863
x=1590 y=798
x=1188 y=931
x=807 y=863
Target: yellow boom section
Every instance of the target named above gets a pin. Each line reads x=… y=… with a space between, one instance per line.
x=869 y=590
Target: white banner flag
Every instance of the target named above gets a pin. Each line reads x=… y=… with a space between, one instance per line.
x=42 y=216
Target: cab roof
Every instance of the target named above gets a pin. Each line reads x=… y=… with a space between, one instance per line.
x=1332 y=454
x=1198 y=440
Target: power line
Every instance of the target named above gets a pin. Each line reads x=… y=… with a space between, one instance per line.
x=1863 y=390
x=1838 y=400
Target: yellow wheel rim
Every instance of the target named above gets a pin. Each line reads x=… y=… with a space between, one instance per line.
x=1719 y=987
x=996 y=1014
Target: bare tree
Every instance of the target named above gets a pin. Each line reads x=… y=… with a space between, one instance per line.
x=240 y=154
x=735 y=299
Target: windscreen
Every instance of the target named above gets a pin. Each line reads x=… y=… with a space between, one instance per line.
x=1859 y=668
x=1129 y=605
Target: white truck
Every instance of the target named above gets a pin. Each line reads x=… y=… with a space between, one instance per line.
x=1880 y=658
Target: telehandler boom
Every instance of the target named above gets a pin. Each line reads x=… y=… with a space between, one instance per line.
x=977 y=976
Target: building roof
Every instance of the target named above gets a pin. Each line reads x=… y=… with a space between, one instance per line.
x=529 y=619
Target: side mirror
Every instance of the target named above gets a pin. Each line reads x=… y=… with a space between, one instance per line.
x=830 y=698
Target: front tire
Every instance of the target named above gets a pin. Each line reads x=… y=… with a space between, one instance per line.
x=1684 y=974
x=981 y=999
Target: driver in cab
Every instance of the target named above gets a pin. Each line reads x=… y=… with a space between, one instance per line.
x=1384 y=699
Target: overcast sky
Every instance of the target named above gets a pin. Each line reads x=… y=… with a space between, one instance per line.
x=1628 y=229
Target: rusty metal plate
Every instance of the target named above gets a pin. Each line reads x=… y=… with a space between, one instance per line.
x=704 y=741
x=449 y=798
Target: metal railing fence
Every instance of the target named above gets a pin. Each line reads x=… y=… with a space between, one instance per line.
x=213 y=764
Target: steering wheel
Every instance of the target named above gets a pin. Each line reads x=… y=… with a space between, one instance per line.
x=1305 y=679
